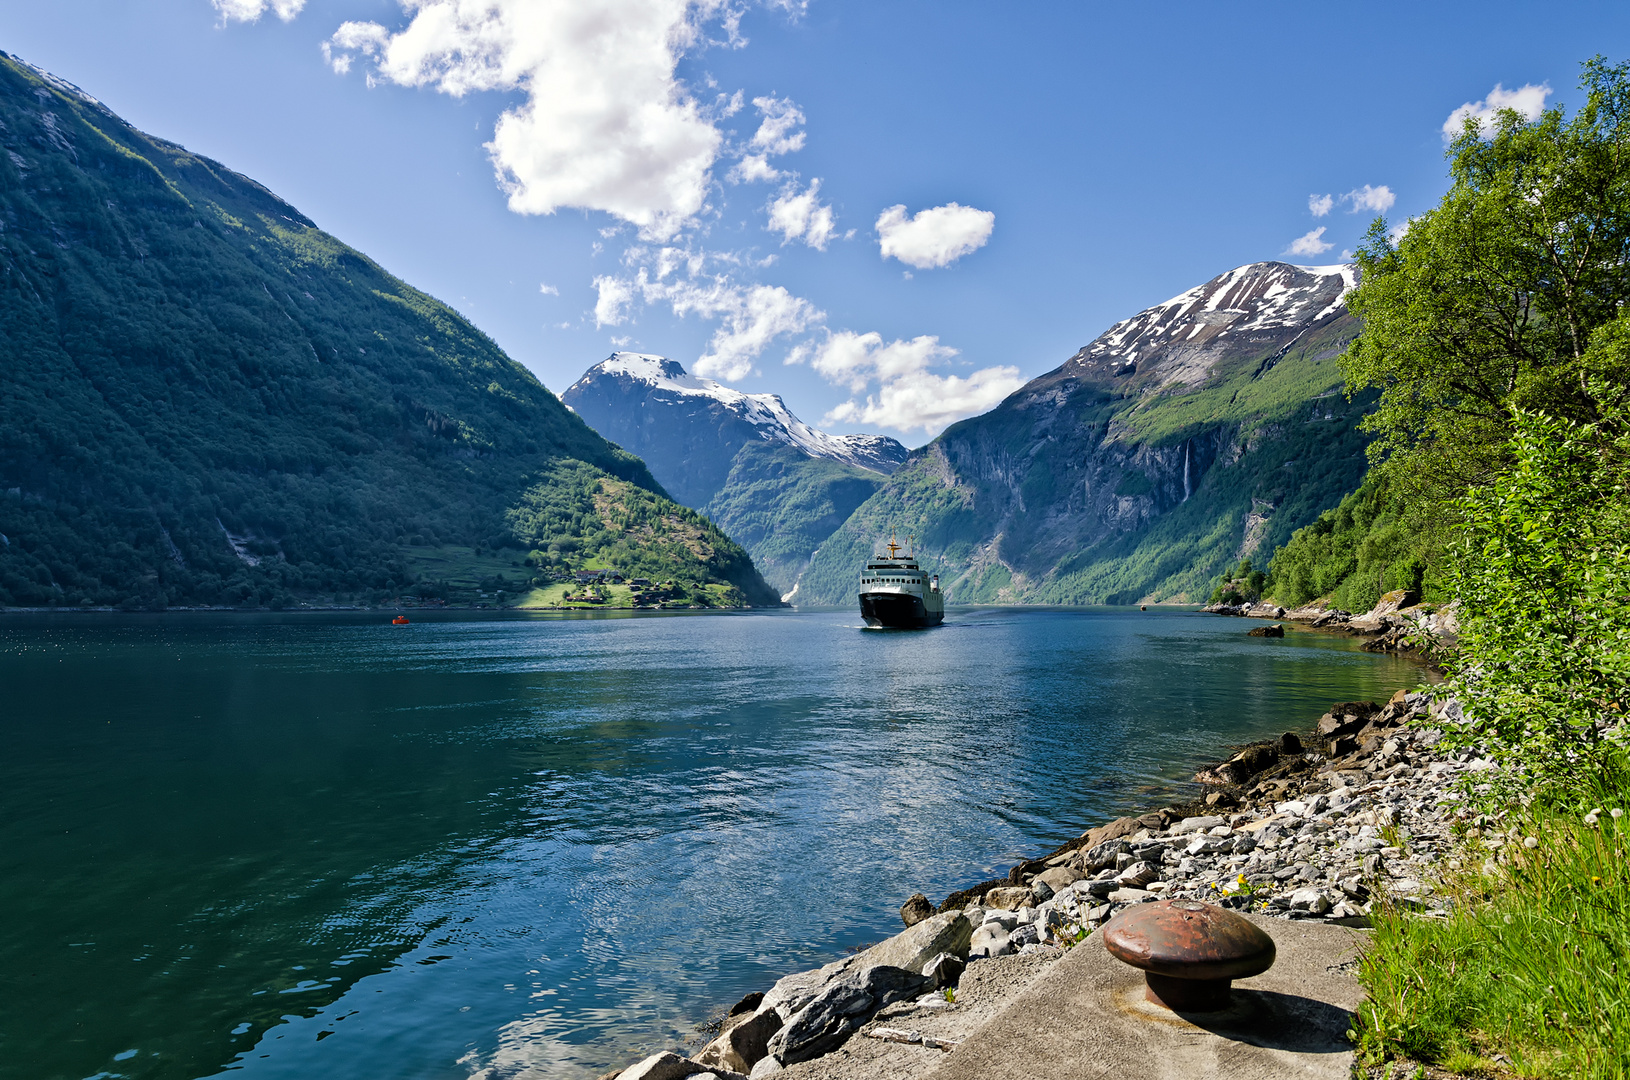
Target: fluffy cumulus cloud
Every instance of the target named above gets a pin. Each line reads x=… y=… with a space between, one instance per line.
x=1319 y=205
x=751 y=168
x=800 y=215
x=1311 y=244
x=606 y=124
x=781 y=131
x=938 y=236
x=908 y=395
x=615 y=296
x=1377 y=200
x=252 y=10
x=1528 y=100
x=750 y=316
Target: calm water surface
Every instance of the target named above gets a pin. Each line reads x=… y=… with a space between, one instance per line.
x=298 y=846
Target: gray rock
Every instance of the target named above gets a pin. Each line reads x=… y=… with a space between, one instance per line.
x=743 y=1044
x=1130 y=896
x=1197 y=824
x=1100 y=888
x=768 y=1067
x=842 y=1006
x=1310 y=900
x=664 y=1066
x=944 y=970
x=1103 y=855
x=989 y=940
x=916 y=909
x=1058 y=878
x=911 y=949
x=1040 y=891
x=1007 y=898
x=1137 y=875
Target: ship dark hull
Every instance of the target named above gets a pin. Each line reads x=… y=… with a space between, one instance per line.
x=897 y=611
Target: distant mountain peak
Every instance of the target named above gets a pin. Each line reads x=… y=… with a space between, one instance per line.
x=661 y=378
x=1172 y=341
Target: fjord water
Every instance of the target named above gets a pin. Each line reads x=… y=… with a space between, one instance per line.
x=309 y=845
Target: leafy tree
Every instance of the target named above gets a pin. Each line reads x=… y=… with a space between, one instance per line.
x=1542 y=570
x=1490 y=302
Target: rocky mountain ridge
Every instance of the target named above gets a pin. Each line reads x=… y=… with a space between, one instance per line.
x=1202 y=429
x=775 y=484
x=661 y=379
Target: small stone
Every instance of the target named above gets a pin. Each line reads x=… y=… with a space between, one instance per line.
x=1007 y=898
x=1131 y=896
x=916 y=909
x=1137 y=875
x=1310 y=900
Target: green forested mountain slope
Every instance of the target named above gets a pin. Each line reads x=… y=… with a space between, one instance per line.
x=206 y=399
x=1199 y=431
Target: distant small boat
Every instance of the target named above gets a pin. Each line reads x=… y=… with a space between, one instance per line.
x=400 y=620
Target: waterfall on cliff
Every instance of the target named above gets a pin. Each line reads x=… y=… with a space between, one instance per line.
x=1188 y=455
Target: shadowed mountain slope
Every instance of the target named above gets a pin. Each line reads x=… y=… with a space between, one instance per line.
x=206 y=399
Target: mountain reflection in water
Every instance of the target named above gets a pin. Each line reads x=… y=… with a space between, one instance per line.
x=302 y=845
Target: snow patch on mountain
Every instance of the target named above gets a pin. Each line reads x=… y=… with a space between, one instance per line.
x=767 y=412
x=1181 y=334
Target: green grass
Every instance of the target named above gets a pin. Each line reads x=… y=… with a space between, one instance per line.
x=1533 y=963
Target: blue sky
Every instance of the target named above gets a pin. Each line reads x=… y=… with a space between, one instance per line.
x=1078 y=161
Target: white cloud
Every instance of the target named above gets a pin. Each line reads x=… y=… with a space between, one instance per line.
x=1528 y=100
x=750 y=317
x=799 y=215
x=252 y=10
x=777 y=133
x=1319 y=205
x=1398 y=231
x=548 y=290
x=1309 y=244
x=606 y=124
x=611 y=308
x=909 y=395
x=751 y=168
x=1377 y=199
x=935 y=237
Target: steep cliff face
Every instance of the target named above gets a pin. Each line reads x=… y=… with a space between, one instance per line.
x=1201 y=430
x=776 y=485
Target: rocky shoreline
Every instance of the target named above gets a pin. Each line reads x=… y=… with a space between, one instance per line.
x=1358 y=813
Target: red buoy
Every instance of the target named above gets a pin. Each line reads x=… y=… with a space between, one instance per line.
x=400 y=620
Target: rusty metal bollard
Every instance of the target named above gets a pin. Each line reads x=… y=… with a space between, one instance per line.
x=1189 y=952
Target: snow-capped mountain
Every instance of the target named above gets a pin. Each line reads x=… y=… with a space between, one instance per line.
x=666 y=381
x=1199 y=431
x=1188 y=334
x=775 y=484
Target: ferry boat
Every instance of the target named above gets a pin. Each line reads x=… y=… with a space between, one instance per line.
x=896 y=593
